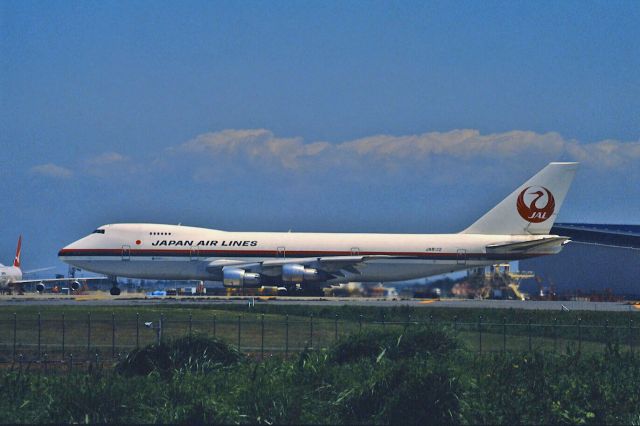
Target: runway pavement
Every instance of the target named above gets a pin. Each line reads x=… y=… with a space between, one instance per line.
x=136 y=299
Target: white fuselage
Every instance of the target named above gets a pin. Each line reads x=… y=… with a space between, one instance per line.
x=183 y=253
x=9 y=274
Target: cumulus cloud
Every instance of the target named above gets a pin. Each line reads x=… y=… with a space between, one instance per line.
x=388 y=150
x=108 y=164
x=456 y=143
x=51 y=170
x=256 y=144
x=215 y=155
x=606 y=154
x=108 y=158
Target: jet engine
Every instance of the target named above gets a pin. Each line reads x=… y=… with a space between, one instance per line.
x=294 y=273
x=40 y=287
x=233 y=277
x=75 y=285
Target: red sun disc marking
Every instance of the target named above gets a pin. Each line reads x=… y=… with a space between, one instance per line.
x=138 y=242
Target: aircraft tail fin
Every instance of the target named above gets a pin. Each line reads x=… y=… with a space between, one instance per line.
x=16 y=260
x=532 y=208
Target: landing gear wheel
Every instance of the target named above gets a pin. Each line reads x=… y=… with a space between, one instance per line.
x=292 y=289
x=115 y=291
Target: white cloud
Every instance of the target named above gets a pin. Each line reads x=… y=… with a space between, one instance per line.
x=606 y=154
x=109 y=164
x=51 y=170
x=214 y=155
x=108 y=158
x=259 y=145
x=456 y=143
x=255 y=145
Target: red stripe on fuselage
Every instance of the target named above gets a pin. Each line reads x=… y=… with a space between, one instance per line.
x=288 y=253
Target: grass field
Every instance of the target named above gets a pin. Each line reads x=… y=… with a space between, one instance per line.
x=387 y=375
x=59 y=331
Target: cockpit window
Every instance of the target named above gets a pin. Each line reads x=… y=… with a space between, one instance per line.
x=98 y=231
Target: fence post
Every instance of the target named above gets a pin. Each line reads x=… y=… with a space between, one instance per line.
x=480 y=333
x=190 y=324
x=39 y=333
x=335 y=329
x=239 y=328
x=630 y=335
x=262 y=338
x=455 y=323
x=529 y=331
x=15 y=334
x=360 y=323
x=214 y=325
x=88 y=333
x=63 y=335
x=555 y=334
x=311 y=331
x=579 y=335
x=45 y=360
x=113 y=334
x=504 y=335
x=286 y=334
x=70 y=362
x=160 y=327
x=383 y=324
x=137 y=330
x=606 y=333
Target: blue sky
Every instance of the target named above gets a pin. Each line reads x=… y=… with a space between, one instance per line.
x=311 y=116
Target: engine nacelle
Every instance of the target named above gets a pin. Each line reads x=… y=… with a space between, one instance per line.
x=294 y=273
x=75 y=285
x=40 y=287
x=233 y=277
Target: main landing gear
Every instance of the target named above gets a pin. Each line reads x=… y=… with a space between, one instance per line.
x=115 y=290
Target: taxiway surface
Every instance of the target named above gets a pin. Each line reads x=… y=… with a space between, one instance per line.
x=125 y=300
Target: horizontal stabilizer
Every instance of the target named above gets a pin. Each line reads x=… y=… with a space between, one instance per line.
x=550 y=245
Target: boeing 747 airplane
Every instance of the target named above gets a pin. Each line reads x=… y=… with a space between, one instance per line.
x=11 y=277
x=516 y=228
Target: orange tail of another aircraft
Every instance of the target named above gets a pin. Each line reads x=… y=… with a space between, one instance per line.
x=16 y=260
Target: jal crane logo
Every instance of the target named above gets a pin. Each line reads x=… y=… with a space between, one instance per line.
x=530 y=203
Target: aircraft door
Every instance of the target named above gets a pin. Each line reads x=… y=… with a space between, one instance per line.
x=193 y=254
x=126 y=252
x=355 y=251
x=462 y=257
x=282 y=252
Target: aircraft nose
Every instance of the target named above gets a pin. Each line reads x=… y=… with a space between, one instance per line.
x=68 y=249
x=64 y=250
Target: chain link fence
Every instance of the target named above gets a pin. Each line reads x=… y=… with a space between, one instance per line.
x=49 y=341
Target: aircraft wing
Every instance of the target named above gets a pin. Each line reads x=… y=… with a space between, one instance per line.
x=331 y=265
x=57 y=280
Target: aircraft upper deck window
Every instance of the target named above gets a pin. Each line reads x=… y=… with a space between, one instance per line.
x=98 y=231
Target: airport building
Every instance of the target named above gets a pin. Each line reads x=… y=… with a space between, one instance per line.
x=600 y=259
